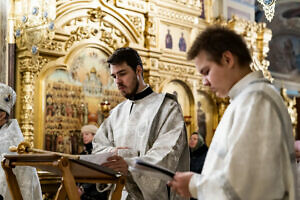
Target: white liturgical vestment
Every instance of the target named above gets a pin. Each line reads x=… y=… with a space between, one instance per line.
x=154 y=131
x=11 y=135
x=252 y=152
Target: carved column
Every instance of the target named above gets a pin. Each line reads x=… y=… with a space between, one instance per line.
x=222 y=104
x=291 y=106
x=263 y=38
x=150 y=30
x=208 y=10
x=28 y=70
x=155 y=82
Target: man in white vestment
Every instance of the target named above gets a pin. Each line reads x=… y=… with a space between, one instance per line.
x=11 y=135
x=252 y=152
x=147 y=125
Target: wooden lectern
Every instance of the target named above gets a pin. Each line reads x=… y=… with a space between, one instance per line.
x=70 y=170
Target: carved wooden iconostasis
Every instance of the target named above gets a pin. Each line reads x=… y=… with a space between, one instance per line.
x=68 y=83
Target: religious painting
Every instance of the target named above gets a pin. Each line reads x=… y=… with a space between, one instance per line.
x=182 y=43
x=168 y=40
x=243 y=9
x=206 y=121
x=238 y=13
x=201 y=119
x=203 y=10
x=64 y=113
x=74 y=97
x=175 y=38
x=284 y=54
x=185 y=99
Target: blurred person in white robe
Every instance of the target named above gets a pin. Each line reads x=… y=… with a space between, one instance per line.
x=252 y=152
x=11 y=135
x=147 y=125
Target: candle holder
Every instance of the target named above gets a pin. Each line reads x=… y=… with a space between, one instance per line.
x=187 y=119
x=105 y=108
x=34 y=23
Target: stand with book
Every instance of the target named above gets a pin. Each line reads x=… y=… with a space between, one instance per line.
x=71 y=170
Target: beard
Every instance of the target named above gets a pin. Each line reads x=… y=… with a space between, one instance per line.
x=133 y=92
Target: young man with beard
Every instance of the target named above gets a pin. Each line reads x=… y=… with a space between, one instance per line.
x=252 y=152
x=147 y=125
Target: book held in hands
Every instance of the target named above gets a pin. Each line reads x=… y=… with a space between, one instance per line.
x=149 y=169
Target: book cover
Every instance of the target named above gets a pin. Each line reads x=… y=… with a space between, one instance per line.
x=150 y=169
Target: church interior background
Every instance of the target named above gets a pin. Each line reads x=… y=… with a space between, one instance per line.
x=53 y=52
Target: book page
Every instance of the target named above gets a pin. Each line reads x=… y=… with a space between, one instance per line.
x=98 y=159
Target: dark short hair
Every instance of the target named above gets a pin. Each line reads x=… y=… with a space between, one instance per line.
x=194 y=133
x=215 y=40
x=128 y=55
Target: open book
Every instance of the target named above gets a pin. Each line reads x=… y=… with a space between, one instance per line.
x=98 y=159
x=94 y=161
x=147 y=168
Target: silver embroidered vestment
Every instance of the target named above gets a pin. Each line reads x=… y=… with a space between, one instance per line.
x=153 y=129
x=10 y=135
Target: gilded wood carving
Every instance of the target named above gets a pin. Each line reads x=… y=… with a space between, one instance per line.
x=159 y=32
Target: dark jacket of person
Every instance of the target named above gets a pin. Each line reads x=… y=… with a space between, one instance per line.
x=88 y=149
x=90 y=191
x=198 y=158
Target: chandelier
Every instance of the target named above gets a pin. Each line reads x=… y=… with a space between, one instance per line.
x=269 y=8
x=34 y=23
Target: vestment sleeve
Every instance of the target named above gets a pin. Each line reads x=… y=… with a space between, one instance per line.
x=103 y=140
x=28 y=182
